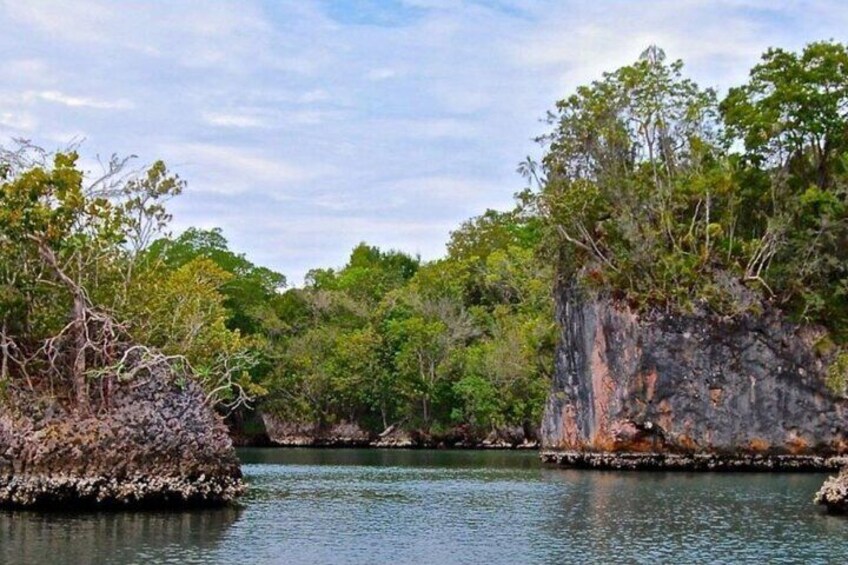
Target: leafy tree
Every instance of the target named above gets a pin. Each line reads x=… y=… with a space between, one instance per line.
x=77 y=279
x=792 y=117
x=792 y=112
x=251 y=293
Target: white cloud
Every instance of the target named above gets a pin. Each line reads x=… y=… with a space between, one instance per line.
x=301 y=135
x=316 y=95
x=443 y=188
x=81 y=20
x=233 y=170
x=381 y=74
x=81 y=101
x=17 y=122
x=231 y=120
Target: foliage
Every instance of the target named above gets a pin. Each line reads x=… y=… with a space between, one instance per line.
x=654 y=192
x=77 y=277
x=465 y=340
x=837 y=374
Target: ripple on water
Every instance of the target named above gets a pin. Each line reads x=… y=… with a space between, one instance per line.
x=368 y=506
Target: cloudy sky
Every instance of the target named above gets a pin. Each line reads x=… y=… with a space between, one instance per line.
x=304 y=127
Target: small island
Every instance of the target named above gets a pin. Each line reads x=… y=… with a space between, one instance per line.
x=702 y=261
x=91 y=418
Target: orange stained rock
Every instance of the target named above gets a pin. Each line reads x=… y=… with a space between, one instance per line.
x=570 y=434
x=758 y=445
x=715 y=396
x=796 y=445
x=602 y=388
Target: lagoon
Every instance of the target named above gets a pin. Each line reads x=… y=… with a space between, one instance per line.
x=443 y=506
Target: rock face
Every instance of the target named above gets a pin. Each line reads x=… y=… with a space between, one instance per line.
x=157 y=444
x=295 y=434
x=834 y=493
x=688 y=384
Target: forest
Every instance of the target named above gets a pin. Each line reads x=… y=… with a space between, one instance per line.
x=651 y=189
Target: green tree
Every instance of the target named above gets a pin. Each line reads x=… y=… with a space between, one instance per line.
x=251 y=293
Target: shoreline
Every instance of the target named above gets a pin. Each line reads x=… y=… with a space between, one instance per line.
x=357 y=444
x=697 y=462
x=56 y=493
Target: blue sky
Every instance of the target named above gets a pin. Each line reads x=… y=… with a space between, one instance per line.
x=304 y=127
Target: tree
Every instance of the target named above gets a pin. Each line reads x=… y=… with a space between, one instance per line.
x=56 y=229
x=792 y=116
x=792 y=112
x=77 y=280
x=251 y=293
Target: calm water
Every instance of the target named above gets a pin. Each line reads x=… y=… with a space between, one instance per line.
x=369 y=506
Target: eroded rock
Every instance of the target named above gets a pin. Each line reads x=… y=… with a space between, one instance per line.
x=154 y=444
x=297 y=434
x=834 y=493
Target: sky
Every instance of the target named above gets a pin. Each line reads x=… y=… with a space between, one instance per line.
x=305 y=127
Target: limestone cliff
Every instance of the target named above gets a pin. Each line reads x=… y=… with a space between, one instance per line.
x=695 y=390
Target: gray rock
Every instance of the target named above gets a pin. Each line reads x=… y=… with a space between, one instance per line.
x=296 y=434
x=688 y=384
x=153 y=444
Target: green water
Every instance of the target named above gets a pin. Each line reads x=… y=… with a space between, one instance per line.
x=398 y=506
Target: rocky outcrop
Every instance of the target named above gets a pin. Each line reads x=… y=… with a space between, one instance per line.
x=297 y=434
x=693 y=384
x=834 y=493
x=155 y=444
x=344 y=434
x=635 y=461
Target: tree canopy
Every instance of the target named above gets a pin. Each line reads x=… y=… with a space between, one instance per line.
x=652 y=189
x=658 y=193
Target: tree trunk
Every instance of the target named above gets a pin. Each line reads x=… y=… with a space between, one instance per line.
x=4 y=365
x=78 y=375
x=78 y=325
x=426 y=411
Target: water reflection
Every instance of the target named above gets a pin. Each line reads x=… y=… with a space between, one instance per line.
x=112 y=537
x=442 y=458
x=663 y=517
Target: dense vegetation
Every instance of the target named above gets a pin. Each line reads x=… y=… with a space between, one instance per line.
x=466 y=340
x=87 y=299
x=656 y=191
x=87 y=269
x=651 y=189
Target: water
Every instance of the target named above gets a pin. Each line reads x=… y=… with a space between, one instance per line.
x=371 y=506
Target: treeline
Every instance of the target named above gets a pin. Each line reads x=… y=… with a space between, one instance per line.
x=385 y=340
x=652 y=190
x=465 y=341
x=87 y=269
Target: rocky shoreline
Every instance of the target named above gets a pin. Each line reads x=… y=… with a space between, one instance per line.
x=155 y=443
x=44 y=492
x=279 y=433
x=650 y=461
x=334 y=442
